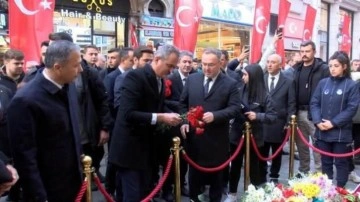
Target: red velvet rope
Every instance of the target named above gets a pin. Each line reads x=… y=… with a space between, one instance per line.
x=209 y=170
x=161 y=181
x=324 y=152
x=256 y=149
x=102 y=189
x=82 y=191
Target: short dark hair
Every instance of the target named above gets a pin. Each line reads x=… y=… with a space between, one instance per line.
x=44 y=43
x=13 y=54
x=343 y=58
x=308 y=42
x=195 y=60
x=113 y=50
x=226 y=54
x=139 y=51
x=124 y=53
x=60 y=36
x=89 y=47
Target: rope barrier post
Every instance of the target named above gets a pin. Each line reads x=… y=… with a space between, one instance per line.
x=292 y=146
x=87 y=161
x=176 y=149
x=247 y=155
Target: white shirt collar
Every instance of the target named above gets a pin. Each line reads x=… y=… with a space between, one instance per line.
x=182 y=76
x=213 y=79
x=277 y=76
x=121 y=69
x=52 y=81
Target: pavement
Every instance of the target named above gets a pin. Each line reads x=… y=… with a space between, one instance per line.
x=97 y=197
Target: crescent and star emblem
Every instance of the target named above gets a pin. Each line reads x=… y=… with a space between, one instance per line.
x=19 y=3
x=178 y=12
x=292 y=28
x=257 y=24
x=306 y=33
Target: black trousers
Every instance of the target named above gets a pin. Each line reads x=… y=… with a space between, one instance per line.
x=197 y=179
x=256 y=178
x=276 y=162
x=95 y=152
x=356 y=138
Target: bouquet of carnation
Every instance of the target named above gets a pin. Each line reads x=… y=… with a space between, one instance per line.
x=194 y=116
x=311 y=188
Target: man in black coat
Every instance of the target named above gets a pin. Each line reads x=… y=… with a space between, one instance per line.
x=141 y=108
x=220 y=98
x=113 y=61
x=8 y=174
x=282 y=91
x=42 y=121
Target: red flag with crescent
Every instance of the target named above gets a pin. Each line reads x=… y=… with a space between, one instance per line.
x=261 y=21
x=345 y=32
x=133 y=37
x=284 y=8
x=309 y=22
x=187 y=18
x=30 y=23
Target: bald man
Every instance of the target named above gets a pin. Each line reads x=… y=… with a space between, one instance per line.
x=282 y=91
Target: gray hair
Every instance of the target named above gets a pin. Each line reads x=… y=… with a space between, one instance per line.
x=59 y=52
x=166 y=50
x=213 y=51
x=186 y=53
x=278 y=57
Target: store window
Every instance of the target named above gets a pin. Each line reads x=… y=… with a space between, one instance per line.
x=102 y=33
x=230 y=37
x=157 y=8
x=323 y=31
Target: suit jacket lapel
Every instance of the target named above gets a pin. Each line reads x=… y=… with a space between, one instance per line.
x=217 y=83
x=279 y=84
x=151 y=77
x=266 y=78
x=179 y=82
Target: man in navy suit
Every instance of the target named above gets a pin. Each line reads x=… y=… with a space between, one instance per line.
x=42 y=121
x=282 y=90
x=141 y=108
x=220 y=98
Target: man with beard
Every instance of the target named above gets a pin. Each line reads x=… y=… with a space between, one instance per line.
x=307 y=75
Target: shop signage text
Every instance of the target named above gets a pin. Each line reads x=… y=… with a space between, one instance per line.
x=157 y=22
x=159 y=33
x=90 y=16
x=227 y=11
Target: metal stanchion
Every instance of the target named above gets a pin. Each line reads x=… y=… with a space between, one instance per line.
x=292 y=146
x=247 y=155
x=87 y=161
x=176 y=149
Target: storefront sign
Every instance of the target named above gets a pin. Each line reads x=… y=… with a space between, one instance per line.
x=227 y=11
x=89 y=15
x=158 y=33
x=157 y=22
x=96 y=6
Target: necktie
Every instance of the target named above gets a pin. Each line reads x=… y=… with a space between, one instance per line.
x=159 y=84
x=272 y=84
x=207 y=85
x=184 y=81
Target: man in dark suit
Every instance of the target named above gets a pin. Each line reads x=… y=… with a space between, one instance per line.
x=282 y=90
x=141 y=108
x=42 y=120
x=126 y=63
x=220 y=98
x=178 y=80
x=142 y=56
x=113 y=61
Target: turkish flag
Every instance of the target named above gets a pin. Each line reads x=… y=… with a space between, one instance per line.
x=187 y=18
x=30 y=23
x=133 y=37
x=309 y=22
x=294 y=28
x=346 y=38
x=261 y=21
x=284 y=8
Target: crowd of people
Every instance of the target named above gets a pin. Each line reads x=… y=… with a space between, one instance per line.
x=76 y=101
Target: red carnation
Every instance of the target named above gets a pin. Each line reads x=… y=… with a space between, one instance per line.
x=168 y=84
x=194 y=116
x=199 y=131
